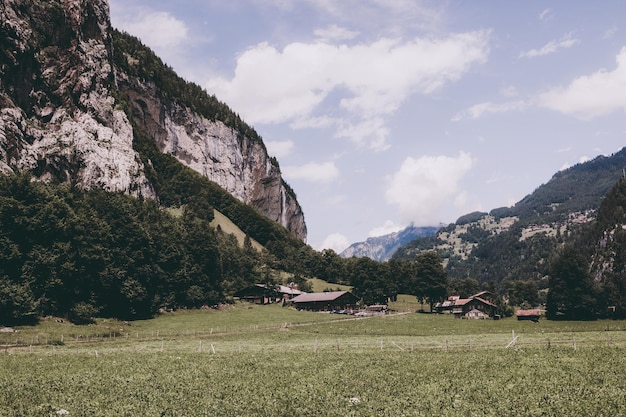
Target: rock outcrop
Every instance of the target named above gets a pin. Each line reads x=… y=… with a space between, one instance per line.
x=238 y=163
x=59 y=119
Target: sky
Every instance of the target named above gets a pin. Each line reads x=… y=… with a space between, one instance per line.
x=386 y=113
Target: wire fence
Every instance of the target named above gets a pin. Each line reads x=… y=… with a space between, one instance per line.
x=210 y=342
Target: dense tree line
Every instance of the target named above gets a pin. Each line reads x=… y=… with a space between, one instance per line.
x=588 y=277
x=75 y=253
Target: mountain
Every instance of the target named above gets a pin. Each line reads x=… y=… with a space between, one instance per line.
x=381 y=248
x=79 y=100
x=518 y=243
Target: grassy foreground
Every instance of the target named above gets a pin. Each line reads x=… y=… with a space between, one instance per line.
x=273 y=361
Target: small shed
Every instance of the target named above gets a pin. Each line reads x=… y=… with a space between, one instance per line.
x=532 y=315
x=325 y=301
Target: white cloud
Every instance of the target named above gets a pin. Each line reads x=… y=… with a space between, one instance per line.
x=336 y=242
x=279 y=149
x=509 y=91
x=551 y=47
x=387 y=228
x=371 y=133
x=313 y=172
x=581 y=160
x=609 y=33
x=480 y=109
x=592 y=95
x=423 y=186
x=370 y=80
x=159 y=30
x=546 y=13
x=335 y=33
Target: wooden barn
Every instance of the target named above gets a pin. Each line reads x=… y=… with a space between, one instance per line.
x=326 y=301
x=532 y=315
x=265 y=294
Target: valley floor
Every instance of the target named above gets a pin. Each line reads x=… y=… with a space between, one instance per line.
x=273 y=361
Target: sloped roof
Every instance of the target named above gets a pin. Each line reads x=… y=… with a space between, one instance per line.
x=526 y=313
x=318 y=296
x=463 y=301
x=480 y=294
x=288 y=290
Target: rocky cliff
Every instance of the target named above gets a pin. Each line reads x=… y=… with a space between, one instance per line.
x=60 y=118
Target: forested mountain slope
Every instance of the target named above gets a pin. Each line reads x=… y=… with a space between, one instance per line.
x=98 y=138
x=518 y=243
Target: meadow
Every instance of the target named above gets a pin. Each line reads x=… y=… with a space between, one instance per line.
x=273 y=361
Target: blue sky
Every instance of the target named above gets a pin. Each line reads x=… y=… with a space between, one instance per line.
x=383 y=113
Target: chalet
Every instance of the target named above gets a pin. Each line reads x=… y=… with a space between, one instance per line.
x=532 y=315
x=325 y=301
x=473 y=307
x=267 y=294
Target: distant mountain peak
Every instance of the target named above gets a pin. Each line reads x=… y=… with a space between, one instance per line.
x=381 y=248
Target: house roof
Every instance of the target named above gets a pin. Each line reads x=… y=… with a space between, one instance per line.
x=480 y=294
x=288 y=290
x=319 y=296
x=527 y=313
x=463 y=301
x=264 y=288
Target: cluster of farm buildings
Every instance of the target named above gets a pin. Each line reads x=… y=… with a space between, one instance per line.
x=478 y=306
x=314 y=301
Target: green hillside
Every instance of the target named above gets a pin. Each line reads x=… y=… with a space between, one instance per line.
x=514 y=244
x=230 y=228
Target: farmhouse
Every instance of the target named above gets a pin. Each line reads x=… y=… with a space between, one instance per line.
x=326 y=301
x=266 y=294
x=473 y=307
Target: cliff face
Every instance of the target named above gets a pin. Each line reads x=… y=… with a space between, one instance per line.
x=59 y=120
x=237 y=163
x=57 y=116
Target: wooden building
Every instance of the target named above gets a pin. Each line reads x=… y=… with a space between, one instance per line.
x=473 y=307
x=265 y=294
x=326 y=301
x=532 y=315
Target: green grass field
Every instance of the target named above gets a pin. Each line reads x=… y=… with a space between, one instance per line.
x=273 y=361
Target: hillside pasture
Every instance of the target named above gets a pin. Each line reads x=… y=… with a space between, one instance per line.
x=274 y=361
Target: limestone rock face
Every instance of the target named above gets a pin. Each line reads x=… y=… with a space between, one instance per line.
x=237 y=163
x=58 y=117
